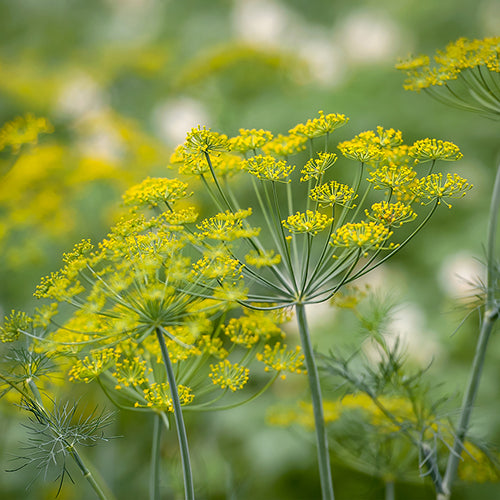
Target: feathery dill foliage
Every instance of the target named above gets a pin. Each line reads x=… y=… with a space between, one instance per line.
x=466 y=75
x=53 y=436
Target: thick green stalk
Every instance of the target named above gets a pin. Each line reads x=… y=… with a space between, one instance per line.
x=317 y=404
x=179 y=420
x=154 y=478
x=490 y=316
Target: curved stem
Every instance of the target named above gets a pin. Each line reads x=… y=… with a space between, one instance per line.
x=317 y=403
x=489 y=318
x=154 y=478
x=179 y=421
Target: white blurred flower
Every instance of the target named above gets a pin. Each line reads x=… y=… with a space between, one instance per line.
x=79 y=97
x=324 y=59
x=260 y=21
x=368 y=36
x=174 y=118
x=459 y=273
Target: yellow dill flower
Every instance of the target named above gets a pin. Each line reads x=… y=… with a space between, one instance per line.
x=332 y=193
x=262 y=258
x=204 y=141
x=280 y=359
x=285 y=145
x=227 y=226
x=433 y=187
x=392 y=176
x=317 y=127
x=252 y=327
x=130 y=372
x=93 y=365
x=250 y=140
x=157 y=397
x=361 y=148
x=43 y=315
x=153 y=191
x=268 y=168
x=391 y=214
x=309 y=222
x=363 y=235
x=227 y=375
x=477 y=465
x=23 y=130
x=18 y=322
x=316 y=167
x=219 y=267
x=177 y=218
x=434 y=149
x=231 y=292
x=464 y=75
x=194 y=164
x=227 y=164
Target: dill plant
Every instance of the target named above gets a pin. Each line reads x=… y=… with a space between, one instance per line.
x=466 y=75
x=151 y=315
x=318 y=232
x=169 y=311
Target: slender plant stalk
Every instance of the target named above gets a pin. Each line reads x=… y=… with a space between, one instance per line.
x=154 y=478
x=490 y=316
x=179 y=420
x=390 y=493
x=317 y=404
x=87 y=474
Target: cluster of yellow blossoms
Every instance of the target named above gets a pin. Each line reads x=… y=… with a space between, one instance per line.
x=163 y=270
x=467 y=72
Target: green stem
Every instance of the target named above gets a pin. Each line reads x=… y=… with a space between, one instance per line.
x=154 y=478
x=390 y=494
x=179 y=421
x=87 y=474
x=489 y=318
x=317 y=403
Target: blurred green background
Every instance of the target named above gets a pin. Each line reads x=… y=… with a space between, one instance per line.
x=122 y=81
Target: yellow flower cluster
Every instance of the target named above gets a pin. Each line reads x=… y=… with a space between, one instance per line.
x=153 y=191
x=477 y=465
x=268 y=168
x=434 y=149
x=317 y=127
x=433 y=187
x=280 y=359
x=309 y=222
x=14 y=325
x=157 y=397
x=285 y=145
x=262 y=258
x=23 y=130
x=316 y=167
x=93 y=365
x=393 y=177
x=333 y=193
x=458 y=57
x=202 y=141
x=391 y=214
x=364 y=235
x=227 y=226
x=250 y=140
x=253 y=326
x=130 y=372
x=229 y=375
